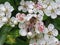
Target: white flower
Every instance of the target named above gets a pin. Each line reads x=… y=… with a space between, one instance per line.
x=29 y=33
x=22 y=25
x=41 y=41
x=2 y=13
x=9 y=9
x=33 y=42
x=30 y=10
x=6 y=9
x=38 y=9
x=50 y=32
x=37 y=42
x=1 y=22
x=52 y=41
x=52 y=10
x=4 y=19
x=5 y=13
x=58 y=3
x=23 y=32
x=20 y=17
x=26 y=6
x=44 y=2
x=40 y=16
x=13 y=21
x=29 y=16
x=30 y=4
x=23 y=6
x=31 y=25
x=2 y=8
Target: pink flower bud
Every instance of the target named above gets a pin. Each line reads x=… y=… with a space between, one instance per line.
x=20 y=17
x=40 y=27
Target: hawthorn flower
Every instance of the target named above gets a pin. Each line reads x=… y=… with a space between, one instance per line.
x=25 y=5
x=53 y=41
x=42 y=41
x=3 y=20
x=52 y=10
x=45 y=1
x=29 y=16
x=20 y=17
x=37 y=42
x=23 y=32
x=13 y=21
x=6 y=9
x=57 y=2
x=31 y=26
x=50 y=32
x=38 y=9
x=28 y=26
x=30 y=4
x=5 y=13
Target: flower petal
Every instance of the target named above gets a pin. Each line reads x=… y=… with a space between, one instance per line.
x=55 y=32
x=2 y=7
x=21 y=25
x=47 y=12
x=58 y=12
x=46 y=37
x=1 y=24
x=2 y=13
x=20 y=8
x=8 y=14
x=23 y=32
x=53 y=16
x=45 y=31
x=8 y=7
x=50 y=27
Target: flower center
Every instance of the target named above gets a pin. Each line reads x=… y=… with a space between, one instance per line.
x=33 y=20
x=25 y=6
x=52 y=11
x=31 y=24
x=50 y=33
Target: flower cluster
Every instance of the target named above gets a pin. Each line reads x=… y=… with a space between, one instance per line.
x=5 y=15
x=31 y=24
x=49 y=7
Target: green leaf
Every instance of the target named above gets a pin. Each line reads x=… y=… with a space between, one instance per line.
x=3 y=33
x=21 y=42
x=13 y=34
x=45 y=17
x=58 y=37
x=56 y=22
